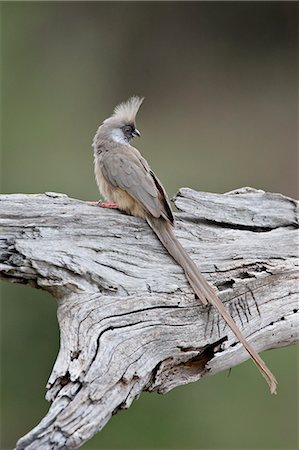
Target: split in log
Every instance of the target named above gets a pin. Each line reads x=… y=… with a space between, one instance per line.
x=129 y=321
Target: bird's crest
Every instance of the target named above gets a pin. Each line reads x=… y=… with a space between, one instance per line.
x=126 y=111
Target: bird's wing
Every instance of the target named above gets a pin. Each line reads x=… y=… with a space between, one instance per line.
x=127 y=170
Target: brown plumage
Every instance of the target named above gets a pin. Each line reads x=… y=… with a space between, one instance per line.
x=124 y=177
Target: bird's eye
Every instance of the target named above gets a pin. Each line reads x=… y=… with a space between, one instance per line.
x=127 y=129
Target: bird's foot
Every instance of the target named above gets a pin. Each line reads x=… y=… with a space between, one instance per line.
x=108 y=205
x=103 y=204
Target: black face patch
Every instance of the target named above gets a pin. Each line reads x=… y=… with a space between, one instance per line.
x=128 y=131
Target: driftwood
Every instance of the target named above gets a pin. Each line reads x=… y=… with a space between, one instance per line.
x=128 y=319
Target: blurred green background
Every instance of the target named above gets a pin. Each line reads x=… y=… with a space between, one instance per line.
x=220 y=81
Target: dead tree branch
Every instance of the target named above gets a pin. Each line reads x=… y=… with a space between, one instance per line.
x=128 y=319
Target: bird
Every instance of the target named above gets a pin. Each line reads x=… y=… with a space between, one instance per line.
x=127 y=182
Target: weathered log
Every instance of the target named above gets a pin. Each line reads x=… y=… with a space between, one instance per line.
x=128 y=319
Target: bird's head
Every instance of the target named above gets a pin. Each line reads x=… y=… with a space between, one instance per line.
x=121 y=126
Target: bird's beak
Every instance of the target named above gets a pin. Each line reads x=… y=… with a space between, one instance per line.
x=136 y=132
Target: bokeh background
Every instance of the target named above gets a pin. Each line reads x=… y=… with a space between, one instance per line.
x=220 y=82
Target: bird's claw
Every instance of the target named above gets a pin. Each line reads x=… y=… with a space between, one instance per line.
x=103 y=204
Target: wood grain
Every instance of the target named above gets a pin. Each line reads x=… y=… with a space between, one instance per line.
x=128 y=319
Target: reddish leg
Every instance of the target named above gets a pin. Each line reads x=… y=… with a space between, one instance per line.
x=103 y=204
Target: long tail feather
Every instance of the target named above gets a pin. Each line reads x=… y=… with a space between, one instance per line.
x=204 y=290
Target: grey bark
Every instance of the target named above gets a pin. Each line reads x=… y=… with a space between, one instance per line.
x=128 y=319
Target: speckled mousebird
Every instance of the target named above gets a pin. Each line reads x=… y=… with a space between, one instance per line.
x=126 y=180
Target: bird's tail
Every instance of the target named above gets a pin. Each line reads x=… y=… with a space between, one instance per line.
x=204 y=290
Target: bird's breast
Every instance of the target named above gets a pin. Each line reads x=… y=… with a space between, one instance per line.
x=113 y=194
x=104 y=187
